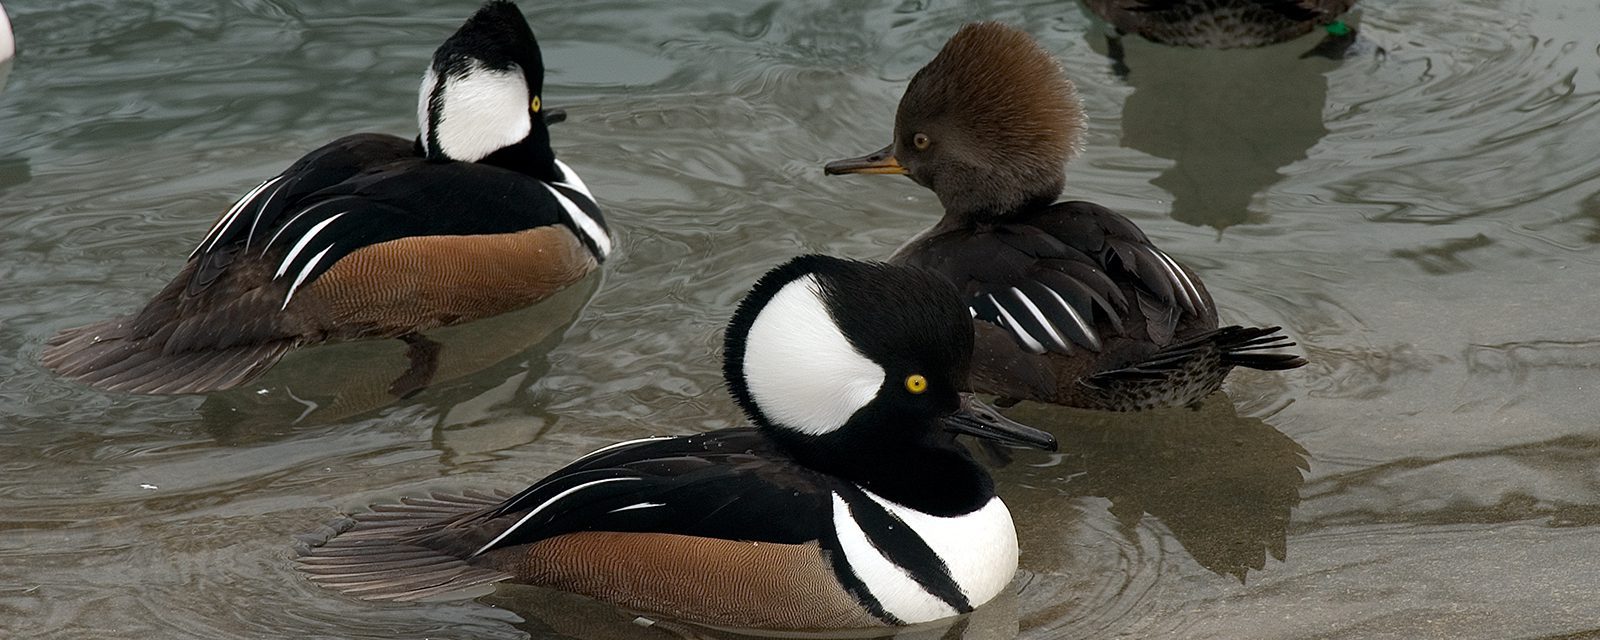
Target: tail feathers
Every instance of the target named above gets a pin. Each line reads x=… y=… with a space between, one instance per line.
x=1234 y=346
x=109 y=356
x=380 y=555
x=1241 y=346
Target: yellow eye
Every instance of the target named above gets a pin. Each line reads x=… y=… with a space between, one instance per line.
x=915 y=383
x=921 y=141
x=535 y=106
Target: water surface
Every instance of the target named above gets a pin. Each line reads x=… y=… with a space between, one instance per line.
x=1423 y=218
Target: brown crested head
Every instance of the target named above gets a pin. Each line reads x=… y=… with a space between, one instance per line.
x=989 y=124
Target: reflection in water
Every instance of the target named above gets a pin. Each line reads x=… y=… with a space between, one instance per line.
x=1228 y=120
x=1223 y=484
x=335 y=382
x=566 y=615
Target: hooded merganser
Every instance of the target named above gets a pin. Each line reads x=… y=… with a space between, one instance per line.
x=1225 y=24
x=8 y=46
x=372 y=235
x=849 y=505
x=1074 y=304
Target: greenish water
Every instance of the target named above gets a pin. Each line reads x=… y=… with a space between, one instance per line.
x=1424 y=222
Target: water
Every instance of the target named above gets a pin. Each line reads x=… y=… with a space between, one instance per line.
x=1423 y=220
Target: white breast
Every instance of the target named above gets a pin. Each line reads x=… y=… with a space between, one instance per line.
x=979 y=549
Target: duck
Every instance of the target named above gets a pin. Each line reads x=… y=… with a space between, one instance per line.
x=847 y=503
x=8 y=43
x=1072 y=304
x=372 y=236
x=1225 y=24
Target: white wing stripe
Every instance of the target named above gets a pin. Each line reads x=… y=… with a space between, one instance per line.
x=1049 y=328
x=1094 y=339
x=642 y=505
x=586 y=225
x=304 y=240
x=302 y=277
x=256 y=221
x=619 y=445
x=1190 y=291
x=285 y=226
x=542 y=507
x=227 y=220
x=1016 y=329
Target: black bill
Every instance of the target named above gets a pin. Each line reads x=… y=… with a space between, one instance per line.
x=979 y=420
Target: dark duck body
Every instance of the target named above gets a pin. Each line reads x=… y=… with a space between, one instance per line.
x=1220 y=24
x=848 y=505
x=372 y=236
x=1072 y=303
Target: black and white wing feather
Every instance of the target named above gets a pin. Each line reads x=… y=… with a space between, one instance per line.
x=730 y=484
x=1069 y=278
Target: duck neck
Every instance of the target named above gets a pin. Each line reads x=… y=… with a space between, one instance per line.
x=971 y=210
x=938 y=478
x=532 y=156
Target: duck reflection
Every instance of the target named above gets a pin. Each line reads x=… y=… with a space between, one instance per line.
x=1223 y=484
x=337 y=382
x=550 y=613
x=1229 y=121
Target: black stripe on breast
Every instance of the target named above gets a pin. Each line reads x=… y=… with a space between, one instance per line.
x=588 y=206
x=898 y=542
x=851 y=582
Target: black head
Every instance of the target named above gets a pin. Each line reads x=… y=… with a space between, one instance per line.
x=989 y=125
x=481 y=98
x=837 y=357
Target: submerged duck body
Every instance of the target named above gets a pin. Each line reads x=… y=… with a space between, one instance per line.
x=1073 y=304
x=849 y=505
x=371 y=236
x=1219 y=24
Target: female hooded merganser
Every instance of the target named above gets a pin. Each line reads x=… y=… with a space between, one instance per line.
x=372 y=235
x=1074 y=305
x=1225 y=24
x=849 y=505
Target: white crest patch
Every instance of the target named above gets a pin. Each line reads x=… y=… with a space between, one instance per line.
x=801 y=370
x=979 y=548
x=896 y=591
x=481 y=111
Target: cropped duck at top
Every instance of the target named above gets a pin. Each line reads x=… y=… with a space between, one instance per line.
x=372 y=236
x=1220 y=24
x=1072 y=302
x=848 y=505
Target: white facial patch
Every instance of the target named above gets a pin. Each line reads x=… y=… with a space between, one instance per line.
x=801 y=371
x=481 y=111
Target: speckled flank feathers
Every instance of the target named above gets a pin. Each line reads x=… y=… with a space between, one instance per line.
x=1219 y=24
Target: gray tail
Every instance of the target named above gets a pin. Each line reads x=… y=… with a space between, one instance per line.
x=382 y=555
x=109 y=356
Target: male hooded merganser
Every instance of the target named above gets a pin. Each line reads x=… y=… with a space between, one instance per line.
x=8 y=46
x=849 y=505
x=1074 y=305
x=372 y=235
x=1225 y=24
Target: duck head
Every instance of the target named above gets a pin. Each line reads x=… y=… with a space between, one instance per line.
x=480 y=99
x=989 y=125
x=843 y=360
